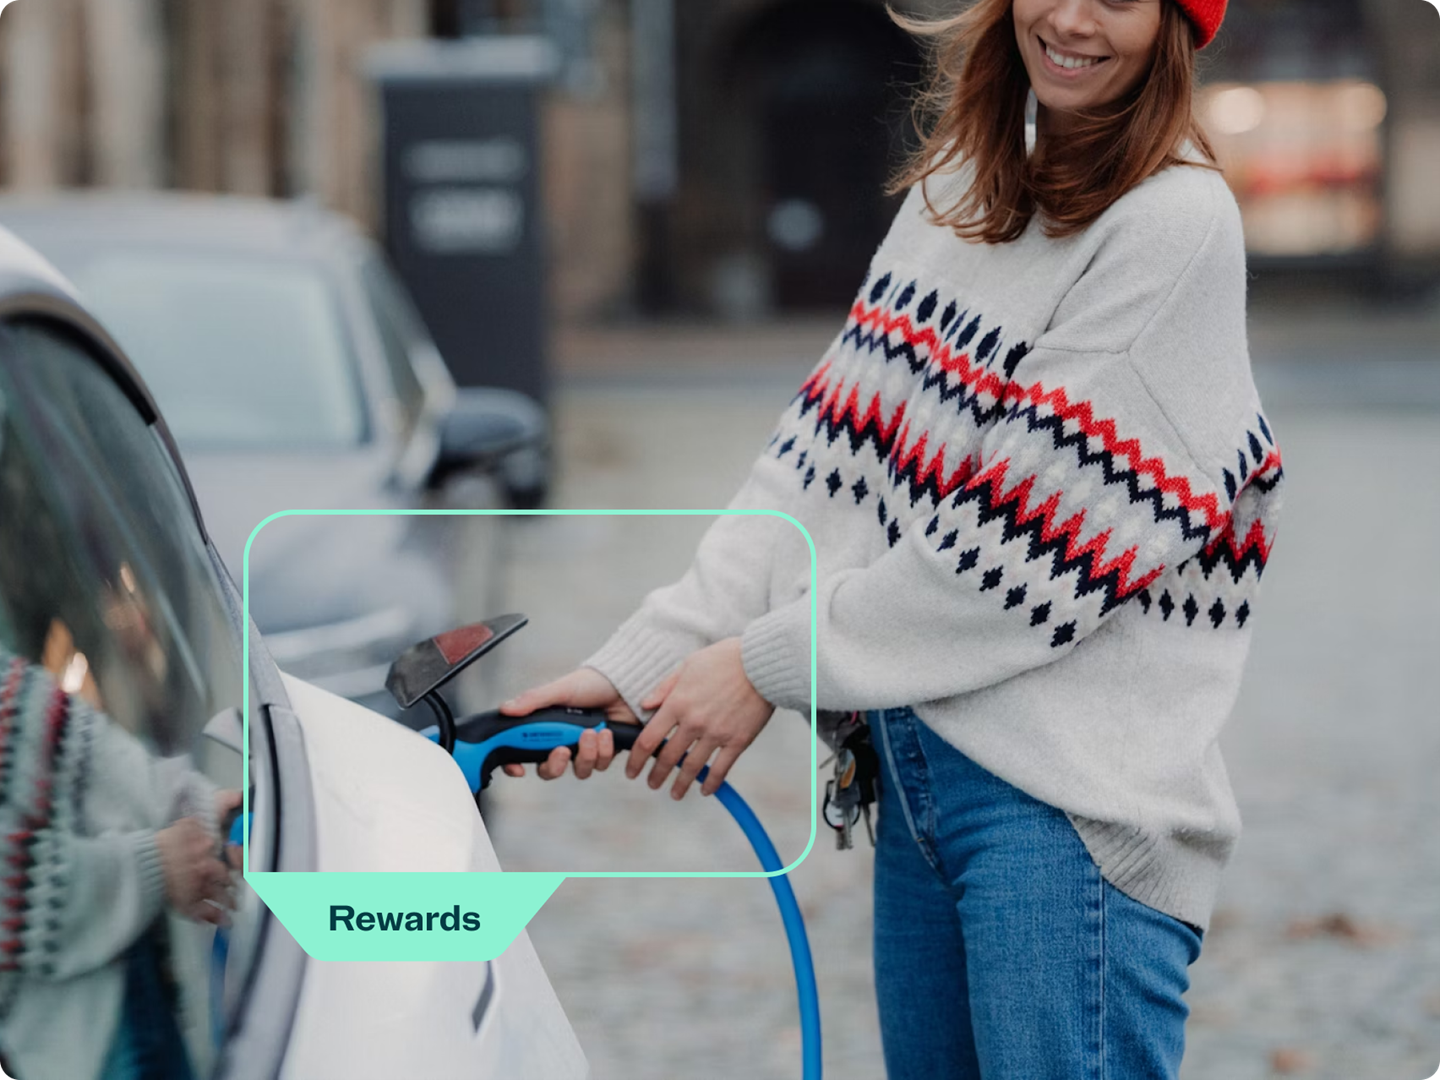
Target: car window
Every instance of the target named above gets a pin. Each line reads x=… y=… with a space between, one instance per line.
x=240 y=352
x=399 y=335
x=116 y=656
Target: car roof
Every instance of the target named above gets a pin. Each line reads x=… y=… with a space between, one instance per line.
x=234 y=224
x=24 y=272
x=31 y=287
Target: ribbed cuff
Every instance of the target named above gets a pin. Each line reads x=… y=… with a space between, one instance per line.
x=635 y=659
x=150 y=875
x=775 y=651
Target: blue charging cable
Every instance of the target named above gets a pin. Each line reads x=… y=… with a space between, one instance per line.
x=794 y=923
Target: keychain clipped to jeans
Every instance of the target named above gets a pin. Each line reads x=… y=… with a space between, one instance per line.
x=851 y=791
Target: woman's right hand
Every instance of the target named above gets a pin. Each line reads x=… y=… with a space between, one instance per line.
x=584 y=688
x=197 y=882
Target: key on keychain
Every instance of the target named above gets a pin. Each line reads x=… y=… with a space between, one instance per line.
x=835 y=819
x=866 y=781
x=850 y=792
x=828 y=812
x=846 y=797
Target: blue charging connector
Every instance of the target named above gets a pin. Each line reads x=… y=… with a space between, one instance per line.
x=522 y=739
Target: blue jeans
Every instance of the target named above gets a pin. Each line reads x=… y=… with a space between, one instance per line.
x=1000 y=951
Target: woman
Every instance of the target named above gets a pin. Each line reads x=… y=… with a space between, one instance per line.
x=105 y=847
x=1042 y=491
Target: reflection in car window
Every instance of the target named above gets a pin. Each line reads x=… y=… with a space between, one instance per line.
x=239 y=352
x=115 y=654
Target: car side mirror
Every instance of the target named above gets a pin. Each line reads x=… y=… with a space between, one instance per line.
x=484 y=427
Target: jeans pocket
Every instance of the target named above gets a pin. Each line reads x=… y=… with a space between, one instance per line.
x=907 y=773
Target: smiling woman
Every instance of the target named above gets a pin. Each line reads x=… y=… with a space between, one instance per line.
x=1115 y=78
x=1041 y=491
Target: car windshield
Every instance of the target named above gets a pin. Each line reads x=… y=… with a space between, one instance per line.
x=239 y=352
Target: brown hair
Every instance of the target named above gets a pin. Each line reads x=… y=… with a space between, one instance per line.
x=976 y=99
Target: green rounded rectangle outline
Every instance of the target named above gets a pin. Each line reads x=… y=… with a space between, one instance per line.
x=303 y=900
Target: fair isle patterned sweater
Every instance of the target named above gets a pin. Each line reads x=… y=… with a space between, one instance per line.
x=80 y=872
x=1042 y=491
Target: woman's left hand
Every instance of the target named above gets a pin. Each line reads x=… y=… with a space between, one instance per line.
x=708 y=705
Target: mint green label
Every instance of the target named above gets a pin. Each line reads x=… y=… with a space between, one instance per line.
x=405 y=916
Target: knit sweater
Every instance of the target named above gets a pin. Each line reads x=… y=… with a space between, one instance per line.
x=80 y=802
x=1042 y=491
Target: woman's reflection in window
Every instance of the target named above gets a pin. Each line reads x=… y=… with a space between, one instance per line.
x=100 y=841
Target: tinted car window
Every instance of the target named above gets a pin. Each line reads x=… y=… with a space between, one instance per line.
x=112 y=561
x=239 y=352
x=115 y=654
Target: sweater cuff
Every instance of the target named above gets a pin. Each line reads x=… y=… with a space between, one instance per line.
x=149 y=875
x=775 y=651
x=636 y=659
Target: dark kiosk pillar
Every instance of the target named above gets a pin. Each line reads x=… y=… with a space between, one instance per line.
x=462 y=199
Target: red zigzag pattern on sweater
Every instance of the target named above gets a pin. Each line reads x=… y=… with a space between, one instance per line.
x=1067 y=532
x=840 y=411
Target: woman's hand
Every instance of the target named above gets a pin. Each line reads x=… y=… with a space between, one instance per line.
x=197 y=882
x=708 y=706
x=584 y=688
x=228 y=802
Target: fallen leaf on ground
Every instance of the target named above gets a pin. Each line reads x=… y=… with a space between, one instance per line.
x=1340 y=925
x=1287 y=1061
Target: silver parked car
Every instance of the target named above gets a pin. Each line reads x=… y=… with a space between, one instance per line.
x=295 y=374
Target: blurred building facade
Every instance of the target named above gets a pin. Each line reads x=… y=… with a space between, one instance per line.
x=1326 y=114
x=719 y=156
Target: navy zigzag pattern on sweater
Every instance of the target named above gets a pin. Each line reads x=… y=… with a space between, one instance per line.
x=885 y=332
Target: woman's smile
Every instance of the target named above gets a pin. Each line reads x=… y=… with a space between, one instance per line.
x=1068 y=64
x=1085 y=54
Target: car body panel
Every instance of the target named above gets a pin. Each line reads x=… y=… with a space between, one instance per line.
x=389 y=799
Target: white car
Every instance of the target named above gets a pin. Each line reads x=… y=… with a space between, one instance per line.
x=111 y=591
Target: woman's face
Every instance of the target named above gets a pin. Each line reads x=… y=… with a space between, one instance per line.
x=1081 y=54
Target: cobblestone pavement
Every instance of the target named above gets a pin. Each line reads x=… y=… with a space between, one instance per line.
x=1324 y=960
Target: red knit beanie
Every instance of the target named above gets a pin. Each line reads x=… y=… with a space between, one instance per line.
x=1206 y=15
